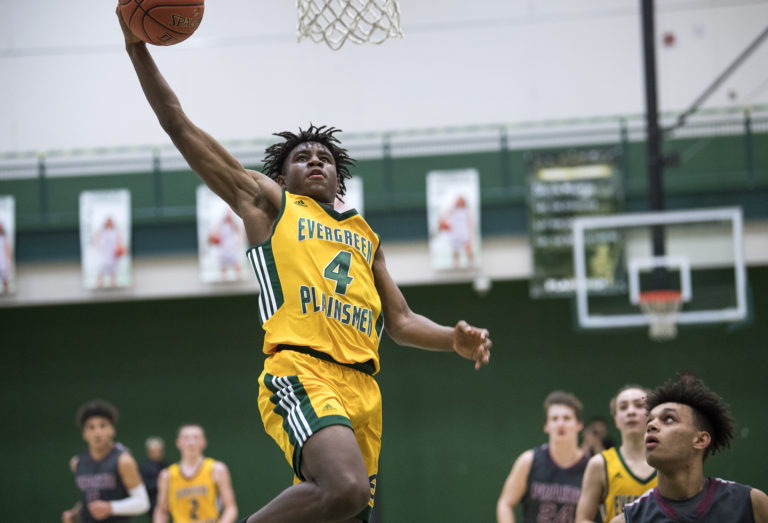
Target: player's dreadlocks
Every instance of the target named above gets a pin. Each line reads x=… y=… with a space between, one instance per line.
x=275 y=155
x=710 y=412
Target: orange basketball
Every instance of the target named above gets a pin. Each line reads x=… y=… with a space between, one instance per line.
x=162 y=22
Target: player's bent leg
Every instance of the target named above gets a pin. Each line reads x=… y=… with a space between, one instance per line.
x=336 y=486
x=332 y=460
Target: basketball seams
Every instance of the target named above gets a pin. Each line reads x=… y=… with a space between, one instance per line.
x=156 y=20
x=149 y=23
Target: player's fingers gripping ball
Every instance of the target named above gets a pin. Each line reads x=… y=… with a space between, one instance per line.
x=162 y=22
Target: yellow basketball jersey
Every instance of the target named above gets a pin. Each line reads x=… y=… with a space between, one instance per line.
x=193 y=499
x=316 y=279
x=623 y=486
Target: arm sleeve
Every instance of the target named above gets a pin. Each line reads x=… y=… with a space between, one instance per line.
x=136 y=503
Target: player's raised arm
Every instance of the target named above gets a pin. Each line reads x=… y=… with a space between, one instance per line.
x=406 y=327
x=245 y=191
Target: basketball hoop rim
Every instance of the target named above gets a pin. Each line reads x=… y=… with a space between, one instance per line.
x=660 y=296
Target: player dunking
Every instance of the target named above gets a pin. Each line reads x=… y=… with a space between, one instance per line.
x=326 y=294
x=618 y=475
x=686 y=423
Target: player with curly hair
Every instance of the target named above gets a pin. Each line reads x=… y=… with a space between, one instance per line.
x=687 y=422
x=106 y=474
x=326 y=296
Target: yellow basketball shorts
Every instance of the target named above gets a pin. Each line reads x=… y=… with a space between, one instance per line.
x=300 y=394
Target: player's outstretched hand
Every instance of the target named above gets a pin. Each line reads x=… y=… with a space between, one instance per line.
x=130 y=38
x=472 y=343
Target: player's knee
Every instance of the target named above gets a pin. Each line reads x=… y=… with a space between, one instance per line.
x=349 y=496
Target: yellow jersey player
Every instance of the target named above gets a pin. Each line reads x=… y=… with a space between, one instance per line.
x=196 y=489
x=326 y=295
x=618 y=475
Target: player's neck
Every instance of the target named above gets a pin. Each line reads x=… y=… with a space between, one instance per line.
x=191 y=463
x=633 y=446
x=99 y=453
x=564 y=452
x=683 y=482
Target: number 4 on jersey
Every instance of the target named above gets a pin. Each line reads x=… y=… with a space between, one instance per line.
x=338 y=271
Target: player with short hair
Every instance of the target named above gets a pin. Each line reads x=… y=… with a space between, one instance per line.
x=618 y=475
x=107 y=474
x=193 y=489
x=326 y=295
x=686 y=423
x=547 y=479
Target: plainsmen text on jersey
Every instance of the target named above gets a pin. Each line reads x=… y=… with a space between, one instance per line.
x=317 y=285
x=194 y=499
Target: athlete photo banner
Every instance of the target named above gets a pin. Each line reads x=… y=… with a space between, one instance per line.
x=353 y=199
x=7 y=244
x=221 y=240
x=105 y=238
x=453 y=219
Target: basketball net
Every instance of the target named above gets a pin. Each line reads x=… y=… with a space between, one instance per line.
x=661 y=307
x=359 y=21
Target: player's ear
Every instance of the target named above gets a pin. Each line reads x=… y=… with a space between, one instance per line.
x=702 y=440
x=280 y=181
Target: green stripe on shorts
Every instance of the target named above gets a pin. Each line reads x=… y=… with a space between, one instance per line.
x=300 y=421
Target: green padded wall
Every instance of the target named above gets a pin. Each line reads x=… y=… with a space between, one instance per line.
x=450 y=433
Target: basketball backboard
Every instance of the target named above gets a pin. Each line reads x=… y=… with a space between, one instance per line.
x=697 y=254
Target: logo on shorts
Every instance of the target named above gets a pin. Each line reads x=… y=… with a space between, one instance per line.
x=328 y=407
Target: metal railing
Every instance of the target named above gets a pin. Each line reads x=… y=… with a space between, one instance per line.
x=501 y=146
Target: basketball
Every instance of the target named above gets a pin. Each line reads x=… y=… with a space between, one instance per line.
x=162 y=22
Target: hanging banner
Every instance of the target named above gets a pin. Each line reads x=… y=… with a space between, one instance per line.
x=453 y=219
x=7 y=244
x=353 y=198
x=561 y=186
x=221 y=241
x=105 y=238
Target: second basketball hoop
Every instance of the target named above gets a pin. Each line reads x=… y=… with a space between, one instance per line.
x=359 y=21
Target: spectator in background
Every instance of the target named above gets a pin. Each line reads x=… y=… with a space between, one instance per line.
x=150 y=468
x=595 y=437
x=547 y=479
